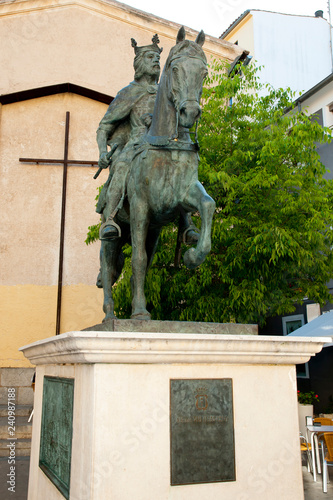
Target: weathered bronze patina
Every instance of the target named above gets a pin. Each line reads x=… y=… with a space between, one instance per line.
x=56 y=431
x=154 y=166
x=202 y=431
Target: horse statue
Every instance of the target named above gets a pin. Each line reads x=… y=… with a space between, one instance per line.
x=163 y=178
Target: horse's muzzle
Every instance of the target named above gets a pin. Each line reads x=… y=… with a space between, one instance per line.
x=189 y=113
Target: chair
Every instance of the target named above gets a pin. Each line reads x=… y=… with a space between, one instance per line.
x=328 y=458
x=318 y=437
x=323 y=421
x=306 y=447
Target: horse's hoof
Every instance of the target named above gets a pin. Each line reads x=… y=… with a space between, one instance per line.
x=191 y=236
x=190 y=260
x=144 y=315
x=109 y=317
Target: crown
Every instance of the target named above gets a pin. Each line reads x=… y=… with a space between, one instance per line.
x=201 y=390
x=145 y=48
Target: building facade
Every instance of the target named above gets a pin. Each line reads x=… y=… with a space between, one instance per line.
x=293 y=51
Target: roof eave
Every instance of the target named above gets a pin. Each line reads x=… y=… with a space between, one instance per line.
x=328 y=79
x=48 y=90
x=234 y=24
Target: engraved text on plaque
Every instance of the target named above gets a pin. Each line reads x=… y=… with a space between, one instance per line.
x=202 y=431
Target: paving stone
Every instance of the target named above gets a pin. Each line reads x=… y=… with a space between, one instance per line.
x=314 y=490
x=3 y=396
x=23 y=428
x=22 y=448
x=25 y=396
x=22 y=471
x=16 y=377
x=20 y=410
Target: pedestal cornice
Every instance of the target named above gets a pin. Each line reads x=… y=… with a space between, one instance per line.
x=151 y=348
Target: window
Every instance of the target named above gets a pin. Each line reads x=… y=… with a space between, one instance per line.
x=318 y=117
x=289 y=325
x=292 y=323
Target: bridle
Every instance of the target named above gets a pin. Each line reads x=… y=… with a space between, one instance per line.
x=178 y=106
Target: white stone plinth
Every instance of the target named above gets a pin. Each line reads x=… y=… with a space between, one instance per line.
x=121 y=438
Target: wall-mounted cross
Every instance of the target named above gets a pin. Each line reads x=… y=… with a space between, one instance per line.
x=65 y=162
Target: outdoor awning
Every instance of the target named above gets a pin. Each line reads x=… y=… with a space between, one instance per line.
x=322 y=326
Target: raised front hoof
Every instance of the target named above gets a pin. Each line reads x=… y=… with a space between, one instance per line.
x=141 y=315
x=192 y=259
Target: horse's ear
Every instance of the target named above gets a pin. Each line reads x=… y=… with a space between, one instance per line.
x=181 y=35
x=200 y=40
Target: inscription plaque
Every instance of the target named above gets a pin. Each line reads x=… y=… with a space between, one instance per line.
x=202 y=431
x=56 y=431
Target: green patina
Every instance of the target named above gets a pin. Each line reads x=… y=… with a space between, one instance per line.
x=56 y=431
x=153 y=164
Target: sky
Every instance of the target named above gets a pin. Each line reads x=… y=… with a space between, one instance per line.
x=214 y=16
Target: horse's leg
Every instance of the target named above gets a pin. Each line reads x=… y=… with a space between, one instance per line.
x=112 y=262
x=139 y=230
x=197 y=197
x=151 y=244
x=108 y=267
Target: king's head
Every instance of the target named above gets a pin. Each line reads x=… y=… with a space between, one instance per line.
x=147 y=60
x=145 y=48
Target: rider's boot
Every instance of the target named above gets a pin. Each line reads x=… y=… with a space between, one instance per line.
x=109 y=230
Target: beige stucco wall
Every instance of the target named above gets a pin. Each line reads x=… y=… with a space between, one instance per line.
x=31 y=200
x=31 y=208
x=46 y=42
x=86 y=42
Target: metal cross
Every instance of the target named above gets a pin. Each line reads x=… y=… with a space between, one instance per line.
x=65 y=162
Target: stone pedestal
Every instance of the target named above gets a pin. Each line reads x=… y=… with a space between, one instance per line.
x=121 y=441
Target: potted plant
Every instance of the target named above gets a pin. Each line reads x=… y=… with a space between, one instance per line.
x=305 y=408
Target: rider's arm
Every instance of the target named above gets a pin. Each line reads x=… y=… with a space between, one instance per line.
x=116 y=113
x=102 y=140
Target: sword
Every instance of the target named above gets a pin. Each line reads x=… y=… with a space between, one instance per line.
x=108 y=157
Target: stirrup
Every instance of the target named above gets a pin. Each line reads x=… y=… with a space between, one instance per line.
x=190 y=228
x=109 y=222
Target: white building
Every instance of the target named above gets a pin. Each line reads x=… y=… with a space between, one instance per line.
x=318 y=102
x=295 y=51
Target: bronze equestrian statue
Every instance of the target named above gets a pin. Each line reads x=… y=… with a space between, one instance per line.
x=154 y=166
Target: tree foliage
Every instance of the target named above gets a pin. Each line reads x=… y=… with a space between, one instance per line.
x=272 y=237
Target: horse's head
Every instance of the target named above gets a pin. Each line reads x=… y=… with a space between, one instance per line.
x=186 y=69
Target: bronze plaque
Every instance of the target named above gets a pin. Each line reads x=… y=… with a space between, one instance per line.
x=56 y=431
x=202 y=431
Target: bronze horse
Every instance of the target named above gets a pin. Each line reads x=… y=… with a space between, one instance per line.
x=163 y=177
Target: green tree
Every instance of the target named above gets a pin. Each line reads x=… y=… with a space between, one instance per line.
x=272 y=237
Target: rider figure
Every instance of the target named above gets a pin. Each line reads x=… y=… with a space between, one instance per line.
x=121 y=128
